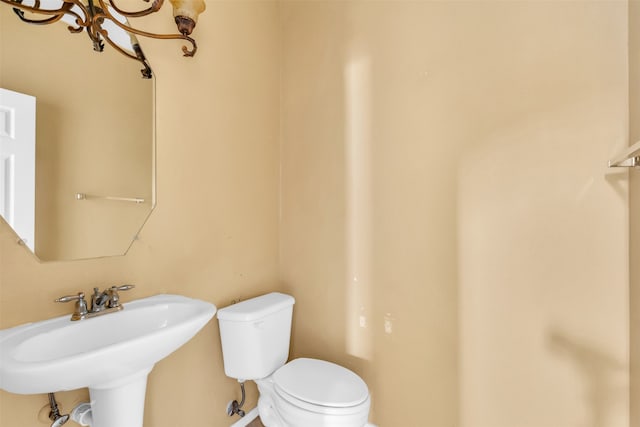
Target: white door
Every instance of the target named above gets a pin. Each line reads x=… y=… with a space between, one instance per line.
x=18 y=163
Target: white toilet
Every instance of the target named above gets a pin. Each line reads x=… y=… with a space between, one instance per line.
x=302 y=393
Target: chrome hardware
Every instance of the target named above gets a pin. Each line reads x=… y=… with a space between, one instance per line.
x=630 y=158
x=80 y=311
x=98 y=300
x=84 y=196
x=114 y=298
x=54 y=415
x=235 y=407
x=103 y=302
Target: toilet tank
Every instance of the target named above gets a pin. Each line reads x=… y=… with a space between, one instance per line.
x=255 y=335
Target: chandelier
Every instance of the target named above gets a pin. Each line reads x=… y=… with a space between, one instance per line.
x=104 y=21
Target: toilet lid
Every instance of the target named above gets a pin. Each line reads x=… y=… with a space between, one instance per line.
x=321 y=383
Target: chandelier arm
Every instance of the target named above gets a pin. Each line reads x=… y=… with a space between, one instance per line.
x=185 y=50
x=146 y=71
x=81 y=22
x=45 y=21
x=155 y=6
x=54 y=14
x=65 y=8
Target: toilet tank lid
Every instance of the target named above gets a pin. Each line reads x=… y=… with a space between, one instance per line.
x=255 y=308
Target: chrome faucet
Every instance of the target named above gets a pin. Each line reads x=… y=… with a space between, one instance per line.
x=103 y=302
x=99 y=300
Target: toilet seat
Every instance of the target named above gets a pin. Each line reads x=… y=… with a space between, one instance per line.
x=321 y=387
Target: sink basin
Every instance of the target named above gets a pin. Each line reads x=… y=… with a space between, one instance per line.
x=111 y=354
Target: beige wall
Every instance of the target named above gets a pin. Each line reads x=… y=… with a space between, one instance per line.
x=214 y=233
x=448 y=227
x=446 y=221
x=543 y=226
x=94 y=132
x=634 y=209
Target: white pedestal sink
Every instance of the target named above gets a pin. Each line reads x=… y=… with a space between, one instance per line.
x=111 y=354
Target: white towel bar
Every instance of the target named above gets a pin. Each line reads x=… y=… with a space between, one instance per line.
x=83 y=196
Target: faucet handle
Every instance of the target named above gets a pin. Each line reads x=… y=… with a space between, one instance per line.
x=70 y=298
x=81 y=305
x=114 y=298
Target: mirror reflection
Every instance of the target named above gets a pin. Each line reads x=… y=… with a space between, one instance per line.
x=94 y=142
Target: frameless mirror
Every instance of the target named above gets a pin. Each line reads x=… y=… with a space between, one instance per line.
x=94 y=142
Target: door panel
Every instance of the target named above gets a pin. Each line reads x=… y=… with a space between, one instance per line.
x=18 y=163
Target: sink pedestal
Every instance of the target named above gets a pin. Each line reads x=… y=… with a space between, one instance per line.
x=119 y=404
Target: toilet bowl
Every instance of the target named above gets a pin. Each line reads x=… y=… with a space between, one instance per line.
x=301 y=393
x=313 y=393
